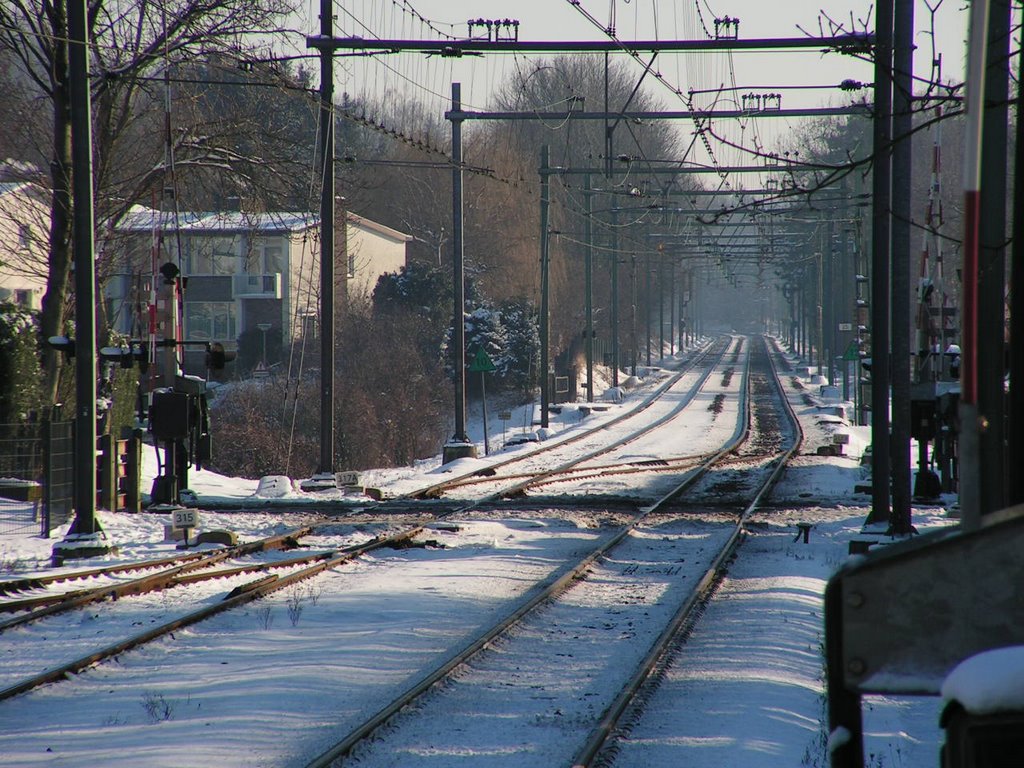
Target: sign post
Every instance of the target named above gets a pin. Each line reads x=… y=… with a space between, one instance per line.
x=505 y=416
x=186 y=519
x=483 y=363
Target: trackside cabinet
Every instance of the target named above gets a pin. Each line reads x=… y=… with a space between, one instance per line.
x=900 y=619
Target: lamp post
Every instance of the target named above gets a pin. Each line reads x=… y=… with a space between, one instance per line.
x=264 y=327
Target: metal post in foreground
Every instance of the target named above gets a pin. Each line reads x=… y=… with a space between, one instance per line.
x=880 y=220
x=459 y=446
x=899 y=364
x=991 y=317
x=970 y=472
x=545 y=352
x=588 y=225
x=85 y=537
x=324 y=478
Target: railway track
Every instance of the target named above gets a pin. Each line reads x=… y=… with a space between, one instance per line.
x=649 y=526
x=769 y=443
x=534 y=649
x=157 y=574
x=241 y=592
x=515 y=475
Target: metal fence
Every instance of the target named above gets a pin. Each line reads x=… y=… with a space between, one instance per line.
x=59 y=475
x=36 y=476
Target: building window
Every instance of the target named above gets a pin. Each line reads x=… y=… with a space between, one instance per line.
x=23 y=297
x=210 y=321
x=273 y=259
x=24 y=236
x=212 y=256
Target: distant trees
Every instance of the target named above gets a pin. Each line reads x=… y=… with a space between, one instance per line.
x=508 y=335
x=254 y=435
x=484 y=334
x=407 y=188
x=392 y=396
x=522 y=344
x=846 y=144
x=423 y=290
x=507 y=239
x=247 y=133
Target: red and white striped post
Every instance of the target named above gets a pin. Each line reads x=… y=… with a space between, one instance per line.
x=970 y=490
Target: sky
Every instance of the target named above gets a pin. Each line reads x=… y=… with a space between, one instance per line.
x=403 y=79
x=639 y=19
x=747 y=689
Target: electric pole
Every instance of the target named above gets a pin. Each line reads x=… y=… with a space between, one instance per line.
x=85 y=537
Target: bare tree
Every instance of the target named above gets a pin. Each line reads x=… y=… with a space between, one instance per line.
x=132 y=43
x=557 y=86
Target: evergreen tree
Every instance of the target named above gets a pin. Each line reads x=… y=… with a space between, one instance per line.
x=19 y=364
x=522 y=352
x=484 y=331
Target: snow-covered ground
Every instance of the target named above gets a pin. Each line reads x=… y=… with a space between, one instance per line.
x=255 y=688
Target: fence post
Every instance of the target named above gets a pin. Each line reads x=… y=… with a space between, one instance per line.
x=133 y=470
x=106 y=480
x=46 y=434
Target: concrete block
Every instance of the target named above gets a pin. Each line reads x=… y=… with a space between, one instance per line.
x=829 y=392
x=831 y=450
x=217 y=536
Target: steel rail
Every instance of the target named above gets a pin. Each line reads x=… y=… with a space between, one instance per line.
x=153 y=582
x=662 y=647
x=520 y=488
x=56 y=604
x=672 y=464
x=434 y=491
x=742 y=431
x=542 y=592
x=279 y=541
x=239 y=596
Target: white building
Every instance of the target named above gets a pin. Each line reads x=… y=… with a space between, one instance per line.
x=373 y=250
x=24 y=243
x=244 y=271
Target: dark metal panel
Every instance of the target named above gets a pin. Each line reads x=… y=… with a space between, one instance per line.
x=912 y=611
x=209 y=288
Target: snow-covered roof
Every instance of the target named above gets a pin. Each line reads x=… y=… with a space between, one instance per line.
x=382 y=229
x=141 y=218
x=12 y=187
